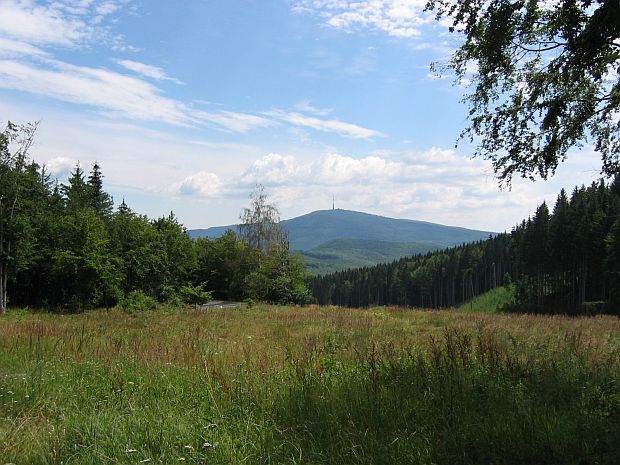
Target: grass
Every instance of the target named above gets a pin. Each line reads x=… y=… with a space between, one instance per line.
x=489 y=302
x=308 y=385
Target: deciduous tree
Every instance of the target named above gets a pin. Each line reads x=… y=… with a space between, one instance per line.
x=544 y=78
x=15 y=141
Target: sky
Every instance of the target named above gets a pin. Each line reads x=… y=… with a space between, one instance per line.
x=187 y=105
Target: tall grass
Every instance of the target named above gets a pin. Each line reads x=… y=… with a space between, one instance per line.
x=310 y=385
x=489 y=302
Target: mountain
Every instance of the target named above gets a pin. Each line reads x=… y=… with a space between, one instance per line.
x=314 y=229
x=332 y=240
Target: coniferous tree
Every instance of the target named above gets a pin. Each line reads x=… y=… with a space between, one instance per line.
x=98 y=199
x=76 y=191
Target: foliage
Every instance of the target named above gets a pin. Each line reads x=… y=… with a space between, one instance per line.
x=137 y=301
x=16 y=172
x=279 y=276
x=280 y=279
x=260 y=222
x=62 y=246
x=545 y=80
x=224 y=263
x=556 y=260
x=194 y=294
x=340 y=254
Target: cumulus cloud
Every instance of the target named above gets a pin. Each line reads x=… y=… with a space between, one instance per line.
x=333 y=169
x=202 y=184
x=60 y=167
x=435 y=184
x=398 y=18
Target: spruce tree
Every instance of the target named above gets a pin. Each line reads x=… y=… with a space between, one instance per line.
x=98 y=199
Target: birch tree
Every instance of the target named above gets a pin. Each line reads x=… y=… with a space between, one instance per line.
x=15 y=142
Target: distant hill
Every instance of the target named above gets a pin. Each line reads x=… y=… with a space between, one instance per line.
x=332 y=240
x=314 y=229
x=341 y=254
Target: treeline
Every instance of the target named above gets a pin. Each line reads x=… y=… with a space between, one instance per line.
x=65 y=246
x=565 y=261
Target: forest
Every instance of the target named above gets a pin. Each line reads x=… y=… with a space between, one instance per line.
x=65 y=247
x=562 y=261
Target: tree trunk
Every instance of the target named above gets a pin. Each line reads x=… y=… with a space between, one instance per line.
x=3 y=283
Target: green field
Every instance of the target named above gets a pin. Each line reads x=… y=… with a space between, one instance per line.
x=308 y=385
x=489 y=302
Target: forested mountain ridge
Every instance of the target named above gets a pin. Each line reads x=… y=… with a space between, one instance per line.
x=316 y=228
x=564 y=261
x=342 y=254
x=334 y=240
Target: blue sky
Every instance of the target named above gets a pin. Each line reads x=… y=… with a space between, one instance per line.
x=186 y=105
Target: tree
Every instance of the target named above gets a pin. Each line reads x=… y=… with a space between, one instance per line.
x=84 y=272
x=281 y=279
x=546 y=79
x=224 y=263
x=280 y=276
x=15 y=141
x=136 y=243
x=76 y=191
x=99 y=200
x=260 y=223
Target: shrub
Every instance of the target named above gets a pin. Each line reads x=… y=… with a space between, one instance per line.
x=137 y=301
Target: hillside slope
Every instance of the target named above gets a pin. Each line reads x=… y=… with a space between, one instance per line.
x=340 y=254
x=315 y=229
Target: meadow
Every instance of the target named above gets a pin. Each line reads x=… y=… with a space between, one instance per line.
x=275 y=384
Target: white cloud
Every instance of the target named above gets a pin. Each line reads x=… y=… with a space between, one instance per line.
x=273 y=169
x=334 y=169
x=436 y=185
x=107 y=8
x=61 y=22
x=306 y=107
x=146 y=70
x=349 y=130
x=14 y=48
x=60 y=167
x=398 y=18
x=201 y=184
x=115 y=94
x=233 y=121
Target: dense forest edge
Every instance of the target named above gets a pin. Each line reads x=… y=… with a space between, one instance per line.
x=563 y=261
x=65 y=247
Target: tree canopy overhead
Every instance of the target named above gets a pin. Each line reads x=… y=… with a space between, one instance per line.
x=546 y=78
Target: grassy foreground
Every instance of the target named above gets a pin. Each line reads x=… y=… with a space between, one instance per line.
x=308 y=385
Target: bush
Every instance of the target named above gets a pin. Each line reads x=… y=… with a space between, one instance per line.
x=596 y=307
x=137 y=301
x=194 y=294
